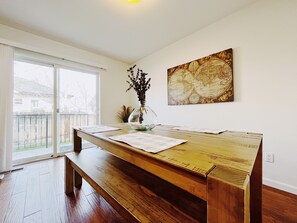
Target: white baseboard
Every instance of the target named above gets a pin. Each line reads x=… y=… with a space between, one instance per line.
x=280 y=186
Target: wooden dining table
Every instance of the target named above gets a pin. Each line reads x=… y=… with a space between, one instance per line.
x=225 y=169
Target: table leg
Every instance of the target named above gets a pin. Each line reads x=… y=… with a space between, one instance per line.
x=228 y=196
x=256 y=189
x=77 y=147
x=68 y=176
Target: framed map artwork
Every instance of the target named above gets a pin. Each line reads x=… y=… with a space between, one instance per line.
x=202 y=81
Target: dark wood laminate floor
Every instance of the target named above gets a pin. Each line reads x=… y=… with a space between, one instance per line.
x=36 y=194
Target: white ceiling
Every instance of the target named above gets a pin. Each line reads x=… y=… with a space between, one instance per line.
x=114 y=28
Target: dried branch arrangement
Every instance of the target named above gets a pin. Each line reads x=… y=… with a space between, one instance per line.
x=139 y=83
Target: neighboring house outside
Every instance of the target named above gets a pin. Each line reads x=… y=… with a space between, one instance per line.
x=31 y=97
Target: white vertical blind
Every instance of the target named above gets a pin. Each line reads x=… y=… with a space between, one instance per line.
x=6 y=106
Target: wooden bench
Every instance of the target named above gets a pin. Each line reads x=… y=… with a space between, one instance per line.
x=134 y=193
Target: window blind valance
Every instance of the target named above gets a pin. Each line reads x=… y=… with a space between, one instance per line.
x=26 y=55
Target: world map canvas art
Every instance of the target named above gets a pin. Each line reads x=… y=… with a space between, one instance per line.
x=202 y=81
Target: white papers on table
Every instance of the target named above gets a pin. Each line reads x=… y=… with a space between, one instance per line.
x=148 y=142
x=97 y=128
x=204 y=130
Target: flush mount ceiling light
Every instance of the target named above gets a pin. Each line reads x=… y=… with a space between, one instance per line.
x=133 y=1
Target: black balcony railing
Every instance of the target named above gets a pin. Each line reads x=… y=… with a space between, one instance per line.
x=32 y=131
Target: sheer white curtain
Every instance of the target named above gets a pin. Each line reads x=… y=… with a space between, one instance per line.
x=6 y=97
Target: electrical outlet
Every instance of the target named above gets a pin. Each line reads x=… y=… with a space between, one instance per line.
x=269 y=157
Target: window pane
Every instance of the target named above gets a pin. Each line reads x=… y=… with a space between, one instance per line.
x=32 y=110
x=78 y=104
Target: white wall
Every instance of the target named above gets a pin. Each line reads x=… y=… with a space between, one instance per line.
x=113 y=79
x=264 y=41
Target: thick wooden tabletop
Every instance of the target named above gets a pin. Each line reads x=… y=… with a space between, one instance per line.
x=225 y=170
x=202 y=152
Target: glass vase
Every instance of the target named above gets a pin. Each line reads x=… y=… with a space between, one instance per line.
x=143 y=118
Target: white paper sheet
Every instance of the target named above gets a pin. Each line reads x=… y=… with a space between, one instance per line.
x=97 y=128
x=204 y=130
x=148 y=142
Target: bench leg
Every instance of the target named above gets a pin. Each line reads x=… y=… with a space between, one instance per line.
x=68 y=177
x=77 y=180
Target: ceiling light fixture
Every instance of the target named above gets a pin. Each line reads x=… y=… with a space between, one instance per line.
x=133 y=1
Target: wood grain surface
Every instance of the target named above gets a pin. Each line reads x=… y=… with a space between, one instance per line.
x=131 y=196
x=198 y=156
x=86 y=205
x=228 y=196
x=237 y=150
x=171 y=173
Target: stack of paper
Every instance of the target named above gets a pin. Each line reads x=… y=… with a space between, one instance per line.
x=204 y=130
x=148 y=142
x=97 y=128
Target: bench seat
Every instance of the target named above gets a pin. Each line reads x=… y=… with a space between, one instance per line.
x=134 y=193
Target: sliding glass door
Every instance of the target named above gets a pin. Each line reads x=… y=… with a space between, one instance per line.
x=77 y=104
x=48 y=101
x=33 y=101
